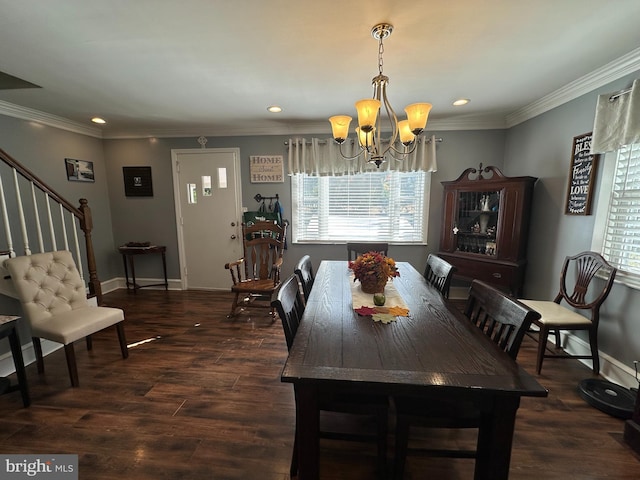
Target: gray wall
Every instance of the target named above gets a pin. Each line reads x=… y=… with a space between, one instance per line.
x=541 y=147
x=153 y=218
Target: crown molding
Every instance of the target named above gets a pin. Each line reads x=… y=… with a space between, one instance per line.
x=610 y=72
x=24 y=113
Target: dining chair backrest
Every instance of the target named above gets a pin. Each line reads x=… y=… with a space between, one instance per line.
x=358 y=248
x=439 y=273
x=304 y=271
x=502 y=318
x=578 y=271
x=290 y=306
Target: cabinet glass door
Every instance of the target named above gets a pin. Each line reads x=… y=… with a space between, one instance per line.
x=476 y=222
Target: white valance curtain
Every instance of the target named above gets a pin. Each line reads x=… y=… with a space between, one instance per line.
x=321 y=157
x=617 y=120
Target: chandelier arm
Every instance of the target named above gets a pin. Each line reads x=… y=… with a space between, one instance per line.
x=348 y=157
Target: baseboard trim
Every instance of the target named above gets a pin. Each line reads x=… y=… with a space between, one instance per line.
x=610 y=368
x=28 y=354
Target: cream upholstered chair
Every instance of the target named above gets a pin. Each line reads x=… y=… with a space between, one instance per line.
x=54 y=302
x=577 y=271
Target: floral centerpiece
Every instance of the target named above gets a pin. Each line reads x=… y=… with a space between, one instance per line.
x=373 y=269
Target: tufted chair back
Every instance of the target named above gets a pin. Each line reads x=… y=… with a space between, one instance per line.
x=48 y=284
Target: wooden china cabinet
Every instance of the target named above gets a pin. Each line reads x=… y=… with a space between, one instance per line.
x=486 y=225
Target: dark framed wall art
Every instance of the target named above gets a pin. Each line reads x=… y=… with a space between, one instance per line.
x=137 y=181
x=582 y=174
x=79 y=170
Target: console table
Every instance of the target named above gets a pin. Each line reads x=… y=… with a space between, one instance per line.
x=8 y=328
x=128 y=254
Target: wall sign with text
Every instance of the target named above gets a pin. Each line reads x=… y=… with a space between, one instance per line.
x=582 y=174
x=266 y=168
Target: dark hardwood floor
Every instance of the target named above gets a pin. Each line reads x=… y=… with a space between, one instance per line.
x=200 y=397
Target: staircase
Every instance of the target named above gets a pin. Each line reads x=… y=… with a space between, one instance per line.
x=30 y=209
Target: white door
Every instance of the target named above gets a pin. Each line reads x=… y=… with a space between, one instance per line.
x=206 y=185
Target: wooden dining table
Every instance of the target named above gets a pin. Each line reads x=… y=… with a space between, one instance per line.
x=434 y=352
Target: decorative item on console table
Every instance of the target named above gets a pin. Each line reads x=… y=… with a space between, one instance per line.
x=485 y=226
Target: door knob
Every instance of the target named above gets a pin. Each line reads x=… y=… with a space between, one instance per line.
x=233 y=224
x=233 y=237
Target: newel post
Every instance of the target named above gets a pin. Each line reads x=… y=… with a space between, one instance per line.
x=86 y=224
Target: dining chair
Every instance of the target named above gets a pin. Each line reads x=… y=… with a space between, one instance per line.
x=304 y=271
x=578 y=271
x=54 y=302
x=358 y=248
x=439 y=273
x=290 y=306
x=505 y=321
x=256 y=275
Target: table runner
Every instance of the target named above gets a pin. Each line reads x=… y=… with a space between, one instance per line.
x=393 y=308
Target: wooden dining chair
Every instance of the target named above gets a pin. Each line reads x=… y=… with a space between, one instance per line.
x=290 y=306
x=256 y=275
x=505 y=321
x=304 y=271
x=439 y=273
x=578 y=271
x=358 y=248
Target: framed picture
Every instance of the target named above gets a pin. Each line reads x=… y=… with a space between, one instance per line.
x=137 y=181
x=79 y=170
x=582 y=174
x=266 y=168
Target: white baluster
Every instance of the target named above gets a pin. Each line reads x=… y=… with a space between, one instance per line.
x=37 y=217
x=64 y=228
x=74 y=220
x=54 y=246
x=5 y=219
x=23 y=225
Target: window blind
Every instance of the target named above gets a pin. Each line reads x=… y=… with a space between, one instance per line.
x=621 y=246
x=374 y=206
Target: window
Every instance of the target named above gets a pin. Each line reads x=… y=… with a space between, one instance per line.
x=617 y=225
x=385 y=206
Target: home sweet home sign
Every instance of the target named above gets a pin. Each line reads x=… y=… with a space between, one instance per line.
x=266 y=168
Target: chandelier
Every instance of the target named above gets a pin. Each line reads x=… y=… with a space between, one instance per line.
x=369 y=129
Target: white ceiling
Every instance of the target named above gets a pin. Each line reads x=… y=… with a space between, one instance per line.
x=211 y=67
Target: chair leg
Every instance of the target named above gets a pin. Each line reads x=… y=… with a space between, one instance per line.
x=89 y=341
x=557 y=335
x=593 y=341
x=383 y=428
x=293 y=470
x=234 y=306
x=37 y=347
x=542 y=346
x=122 y=339
x=71 y=364
x=402 y=444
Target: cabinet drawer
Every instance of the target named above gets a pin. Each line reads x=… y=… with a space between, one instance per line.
x=498 y=274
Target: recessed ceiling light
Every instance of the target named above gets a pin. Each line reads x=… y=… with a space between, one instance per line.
x=461 y=101
x=99 y=120
x=274 y=109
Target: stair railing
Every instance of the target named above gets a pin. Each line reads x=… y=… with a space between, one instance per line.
x=30 y=220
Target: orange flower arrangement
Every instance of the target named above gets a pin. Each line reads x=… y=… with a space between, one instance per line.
x=373 y=265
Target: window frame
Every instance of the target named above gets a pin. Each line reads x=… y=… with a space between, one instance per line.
x=600 y=226
x=425 y=211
